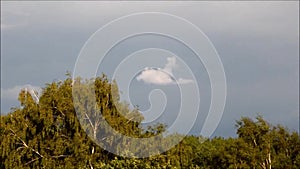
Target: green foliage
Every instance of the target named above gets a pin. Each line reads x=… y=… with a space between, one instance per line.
x=48 y=134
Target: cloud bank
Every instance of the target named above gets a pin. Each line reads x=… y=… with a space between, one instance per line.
x=13 y=93
x=162 y=76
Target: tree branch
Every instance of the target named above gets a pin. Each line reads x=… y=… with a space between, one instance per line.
x=32 y=160
x=87 y=116
x=24 y=144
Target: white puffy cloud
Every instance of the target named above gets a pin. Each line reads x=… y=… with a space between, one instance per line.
x=155 y=76
x=163 y=76
x=171 y=64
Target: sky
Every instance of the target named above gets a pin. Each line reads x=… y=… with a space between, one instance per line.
x=257 y=42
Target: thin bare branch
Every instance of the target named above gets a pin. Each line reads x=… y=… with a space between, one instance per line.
x=13 y=132
x=32 y=160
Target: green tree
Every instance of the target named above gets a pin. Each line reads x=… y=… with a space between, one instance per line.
x=60 y=132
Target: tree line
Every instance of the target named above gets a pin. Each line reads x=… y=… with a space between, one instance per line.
x=48 y=134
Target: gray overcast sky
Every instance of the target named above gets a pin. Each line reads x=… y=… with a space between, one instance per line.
x=258 y=43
